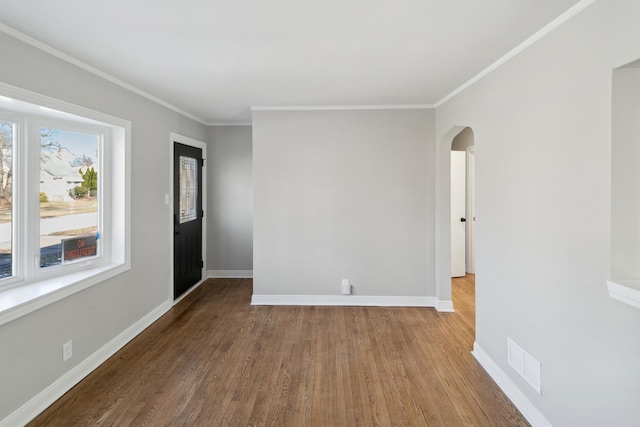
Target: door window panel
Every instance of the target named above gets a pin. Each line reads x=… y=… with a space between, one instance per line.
x=69 y=179
x=188 y=189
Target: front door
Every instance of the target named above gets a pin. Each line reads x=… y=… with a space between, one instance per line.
x=187 y=218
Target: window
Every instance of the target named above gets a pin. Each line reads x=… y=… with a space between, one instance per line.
x=63 y=199
x=188 y=188
x=69 y=197
x=6 y=177
x=61 y=193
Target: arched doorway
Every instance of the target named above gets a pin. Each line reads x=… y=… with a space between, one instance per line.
x=459 y=138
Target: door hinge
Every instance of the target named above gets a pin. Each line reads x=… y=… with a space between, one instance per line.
x=201 y=264
x=202 y=162
x=202 y=212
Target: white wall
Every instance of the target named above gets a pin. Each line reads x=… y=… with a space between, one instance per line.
x=30 y=350
x=542 y=127
x=343 y=194
x=230 y=199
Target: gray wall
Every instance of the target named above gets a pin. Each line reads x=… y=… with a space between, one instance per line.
x=230 y=199
x=625 y=179
x=343 y=194
x=542 y=127
x=350 y=194
x=31 y=345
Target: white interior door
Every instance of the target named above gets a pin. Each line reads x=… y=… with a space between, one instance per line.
x=458 y=212
x=471 y=211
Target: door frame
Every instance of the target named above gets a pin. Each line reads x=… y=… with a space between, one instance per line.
x=185 y=140
x=471 y=210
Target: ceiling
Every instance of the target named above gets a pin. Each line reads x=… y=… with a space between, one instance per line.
x=216 y=59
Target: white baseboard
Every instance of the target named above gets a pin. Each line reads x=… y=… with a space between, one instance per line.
x=444 y=306
x=230 y=274
x=46 y=397
x=524 y=405
x=187 y=292
x=344 y=300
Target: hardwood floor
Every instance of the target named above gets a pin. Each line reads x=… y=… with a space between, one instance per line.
x=215 y=360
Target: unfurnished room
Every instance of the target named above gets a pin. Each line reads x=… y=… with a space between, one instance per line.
x=421 y=213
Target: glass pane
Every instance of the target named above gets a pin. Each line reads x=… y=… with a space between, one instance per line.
x=69 y=168
x=6 y=192
x=188 y=188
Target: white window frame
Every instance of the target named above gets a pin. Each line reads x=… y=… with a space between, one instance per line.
x=18 y=121
x=32 y=287
x=33 y=191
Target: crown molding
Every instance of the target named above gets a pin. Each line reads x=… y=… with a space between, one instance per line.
x=222 y=124
x=547 y=29
x=12 y=32
x=544 y=31
x=344 y=107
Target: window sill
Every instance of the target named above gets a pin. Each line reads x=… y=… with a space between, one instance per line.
x=627 y=291
x=24 y=299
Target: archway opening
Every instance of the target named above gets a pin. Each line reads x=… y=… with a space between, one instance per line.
x=455 y=216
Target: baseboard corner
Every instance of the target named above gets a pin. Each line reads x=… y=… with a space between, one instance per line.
x=444 y=306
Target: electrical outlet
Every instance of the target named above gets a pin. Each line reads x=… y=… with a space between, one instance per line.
x=346 y=287
x=67 y=351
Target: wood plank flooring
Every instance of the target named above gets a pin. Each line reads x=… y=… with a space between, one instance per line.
x=214 y=360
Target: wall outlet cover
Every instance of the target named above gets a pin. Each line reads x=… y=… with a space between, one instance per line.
x=67 y=351
x=345 y=289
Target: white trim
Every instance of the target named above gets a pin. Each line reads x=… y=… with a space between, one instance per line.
x=12 y=32
x=444 y=306
x=24 y=299
x=344 y=107
x=181 y=139
x=544 y=31
x=41 y=100
x=176 y=137
x=46 y=397
x=230 y=274
x=627 y=291
x=223 y=124
x=524 y=405
x=344 y=300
